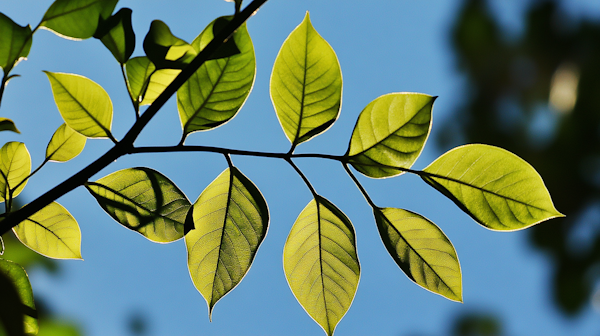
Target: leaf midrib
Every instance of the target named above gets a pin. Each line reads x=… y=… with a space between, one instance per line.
x=72 y=11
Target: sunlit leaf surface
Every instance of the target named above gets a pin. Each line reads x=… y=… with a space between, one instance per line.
x=321 y=263
x=8 y=125
x=15 y=43
x=306 y=84
x=497 y=188
x=216 y=92
x=52 y=232
x=83 y=104
x=15 y=166
x=65 y=144
x=77 y=19
x=17 y=309
x=390 y=132
x=421 y=250
x=143 y=200
x=116 y=33
x=230 y=220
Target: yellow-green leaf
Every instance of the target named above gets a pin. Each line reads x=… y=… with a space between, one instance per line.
x=65 y=144
x=306 y=84
x=143 y=200
x=15 y=166
x=230 y=220
x=18 y=315
x=219 y=88
x=15 y=43
x=494 y=186
x=77 y=19
x=321 y=263
x=390 y=133
x=83 y=104
x=421 y=250
x=52 y=232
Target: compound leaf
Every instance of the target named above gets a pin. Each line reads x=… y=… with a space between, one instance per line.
x=17 y=309
x=494 y=186
x=8 y=125
x=321 y=263
x=143 y=200
x=15 y=166
x=219 y=88
x=306 y=84
x=15 y=43
x=390 y=133
x=421 y=250
x=116 y=33
x=65 y=144
x=83 y=104
x=165 y=50
x=230 y=220
x=77 y=19
x=52 y=232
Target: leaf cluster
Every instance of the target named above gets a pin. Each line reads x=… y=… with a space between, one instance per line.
x=224 y=228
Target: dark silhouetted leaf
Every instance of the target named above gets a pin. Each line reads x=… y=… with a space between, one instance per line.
x=8 y=125
x=117 y=35
x=17 y=309
x=15 y=43
x=165 y=50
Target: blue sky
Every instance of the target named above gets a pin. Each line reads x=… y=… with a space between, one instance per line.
x=387 y=46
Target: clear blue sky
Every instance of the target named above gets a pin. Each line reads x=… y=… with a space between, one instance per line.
x=385 y=46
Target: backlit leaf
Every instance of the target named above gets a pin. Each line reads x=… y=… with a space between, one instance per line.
x=321 y=263
x=390 y=132
x=165 y=50
x=306 y=84
x=77 y=19
x=219 y=88
x=230 y=220
x=116 y=33
x=159 y=81
x=497 y=188
x=145 y=82
x=83 y=104
x=65 y=144
x=15 y=166
x=8 y=125
x=17 y=309
x=15 y=43
x=421 y=250
x=52 y=232
x=143 y=200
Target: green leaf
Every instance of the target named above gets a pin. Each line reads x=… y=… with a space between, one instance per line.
x=421 y=250
x=51 y=232
x=8 y=125
x=65 y=144
x=165 y=50
x=15 y=43
x=117 y=35
x=230 y=219
x=15 y=166
x=390 y=133
x=77 y=19
x=83 y=104
x=497 y=188
x=217 y=91
x=17 y=309
x=159 y=81
x=145 y=82
x=306 y=84
x=321 y=263
x=143 y=200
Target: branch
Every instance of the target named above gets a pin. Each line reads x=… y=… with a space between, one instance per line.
x=126 y=144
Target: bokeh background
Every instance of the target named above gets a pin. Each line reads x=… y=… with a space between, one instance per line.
x=523 y=75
